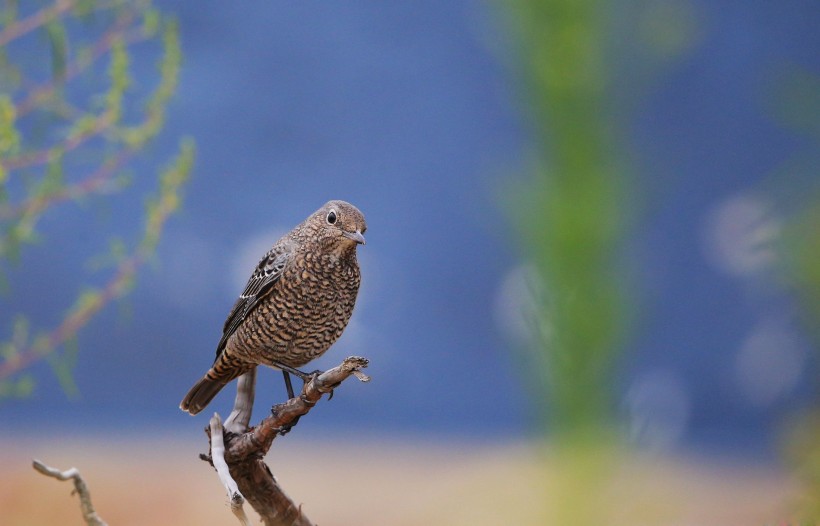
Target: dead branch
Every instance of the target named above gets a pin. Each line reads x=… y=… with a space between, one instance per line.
x=236 y=450
x=240 y=417
x=242 y=449
x=218 y=460
x=90 y=516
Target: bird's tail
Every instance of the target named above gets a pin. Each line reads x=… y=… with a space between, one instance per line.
x=202 y=393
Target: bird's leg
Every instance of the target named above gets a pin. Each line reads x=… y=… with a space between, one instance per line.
x=288 y=385
x=306 y=377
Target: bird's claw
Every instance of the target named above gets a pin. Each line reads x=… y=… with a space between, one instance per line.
x=306 y=377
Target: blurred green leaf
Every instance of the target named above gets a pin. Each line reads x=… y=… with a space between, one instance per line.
x=9 y=13
x=150 y=22
x=120 y=79
x=22 y=387
x=9 y=136
x=63 y=364
x=52 y=182
x=58 y=39
x=84 y=8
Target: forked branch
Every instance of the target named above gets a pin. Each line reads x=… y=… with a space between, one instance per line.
x=237 y=450
x=241 y=449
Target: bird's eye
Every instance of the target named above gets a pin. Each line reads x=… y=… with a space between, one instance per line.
x=331 y=217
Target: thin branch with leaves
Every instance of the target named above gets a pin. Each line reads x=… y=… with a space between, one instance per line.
x=62 y=140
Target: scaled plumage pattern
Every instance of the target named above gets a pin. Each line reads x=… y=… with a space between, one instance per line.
x=296 y=303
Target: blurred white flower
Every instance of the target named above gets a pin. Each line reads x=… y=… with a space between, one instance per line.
x=658 y=409
x=740 y=234
x=769 y=363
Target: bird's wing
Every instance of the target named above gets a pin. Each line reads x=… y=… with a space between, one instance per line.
x=267 y=272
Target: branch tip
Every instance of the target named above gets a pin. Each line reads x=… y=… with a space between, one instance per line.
x=355 y=362
x=80 y=488
x=361 y=376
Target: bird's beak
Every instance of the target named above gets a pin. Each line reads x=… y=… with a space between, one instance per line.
x=355 y=236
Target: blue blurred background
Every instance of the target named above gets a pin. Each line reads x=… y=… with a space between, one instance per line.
x=409 y=110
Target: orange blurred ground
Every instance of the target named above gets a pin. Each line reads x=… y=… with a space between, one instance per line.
x=160 y=481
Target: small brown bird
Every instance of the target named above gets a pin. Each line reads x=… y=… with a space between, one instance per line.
x=295 y=305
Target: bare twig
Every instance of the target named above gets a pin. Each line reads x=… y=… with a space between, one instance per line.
x=243 y=449
x=90 y=516
x=218 y=460
x=240 y=417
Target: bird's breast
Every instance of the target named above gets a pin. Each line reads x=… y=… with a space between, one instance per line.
x=308 y=312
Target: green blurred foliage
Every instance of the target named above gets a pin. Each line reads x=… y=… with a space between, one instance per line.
x=800 y=251
x=572 y=211
x=793 y=100
x=67 y=133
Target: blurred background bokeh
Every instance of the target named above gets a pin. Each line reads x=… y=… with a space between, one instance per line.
x=591 y=290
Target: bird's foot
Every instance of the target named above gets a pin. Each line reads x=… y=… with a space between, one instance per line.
x=306 y=377
x=316 y=374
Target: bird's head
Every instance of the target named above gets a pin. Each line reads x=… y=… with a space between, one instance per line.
x=340 y=224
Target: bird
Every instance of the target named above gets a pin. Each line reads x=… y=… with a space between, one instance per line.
x=295 y=305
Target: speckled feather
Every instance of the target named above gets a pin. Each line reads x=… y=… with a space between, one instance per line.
x=296 y=304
